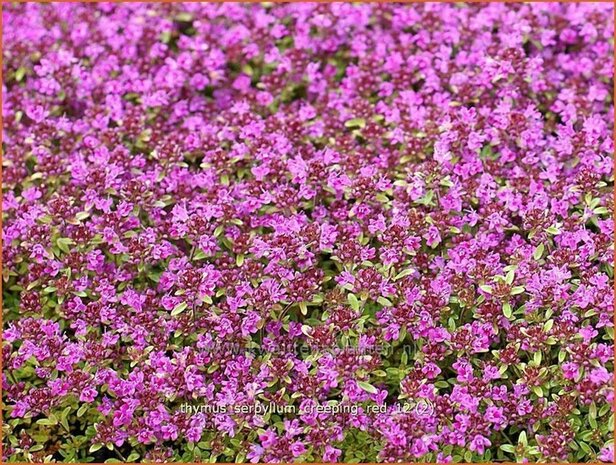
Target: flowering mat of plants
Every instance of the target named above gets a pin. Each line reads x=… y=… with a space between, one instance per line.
x=308 y=232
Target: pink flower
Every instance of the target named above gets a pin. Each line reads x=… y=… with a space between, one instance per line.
x=599 y=375
x=88 y=395
x=570 y=370
x=331 y=454
x=479 y=443
x=606 y=454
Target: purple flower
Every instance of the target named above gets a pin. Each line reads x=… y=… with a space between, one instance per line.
x=331 y=454
x=479 y=443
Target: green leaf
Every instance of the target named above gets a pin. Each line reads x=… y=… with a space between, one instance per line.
x=485 y=288
x=307 y=330
x=522 y=439
x=508 y=448
x=20 y=73
x=303 y=308
x=367 y=387
x=82 y=410
x=46 y=422
x=95 y=447
x=64 y=418
x=510 y=276
x=384 y=302
x=586 y=448
x=355 y=123
x=538 y=390
x=184 y=16
x=64 y=243
x=179 y=308
x=507 y=310
x=82 y=215
x=517 y=290
x=199 y=255
x=382 y=198
x=592 y=410
x=353 y=302
x=539 y=251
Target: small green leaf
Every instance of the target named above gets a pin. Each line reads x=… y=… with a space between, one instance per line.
x=507 y=310
x=199 y=255
x=592 y=410
x=64 y=418
x=20 y=73
x=367 y=387
x=95 y=447
x=64 y=243
x=508 y=448
x=522 y=439
x=82 y=410
x=384 y=302
x=179 y=308
x=586 y=448
x=539 y=251
x=303 y=308
x=485 y=288
x=185 y=17
x=46 y=422
x=307 y=330
x=353 y=302
x=355 y=123
x=517 y=290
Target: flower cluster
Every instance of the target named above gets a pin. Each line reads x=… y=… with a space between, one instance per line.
x=193 y=191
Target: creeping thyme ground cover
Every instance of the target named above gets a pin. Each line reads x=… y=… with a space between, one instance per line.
x=308 y=232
